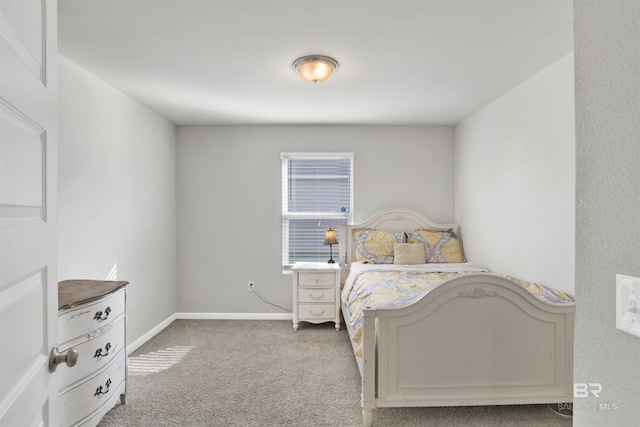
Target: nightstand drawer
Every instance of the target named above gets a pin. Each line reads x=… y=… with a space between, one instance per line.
x=317 y=279
x=317 y=294
x=318 y=311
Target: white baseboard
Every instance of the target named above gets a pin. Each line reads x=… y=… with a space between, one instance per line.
x=236 y=316
x=133 y=346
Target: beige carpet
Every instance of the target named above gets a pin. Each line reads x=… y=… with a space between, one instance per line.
x=262 y=373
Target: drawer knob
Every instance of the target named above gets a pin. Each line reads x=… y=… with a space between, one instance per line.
x=70 y=357
x=312 y=296
x=102 y=316
x=104 y=390
x=316 y=314
x=99 y=352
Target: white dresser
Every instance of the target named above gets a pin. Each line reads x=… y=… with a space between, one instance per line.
x=91 y=320
x=316 y=293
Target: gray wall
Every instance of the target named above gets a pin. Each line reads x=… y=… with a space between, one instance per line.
x=607 y=60
x=229 y=200
x=116 y=196
x=515 y=180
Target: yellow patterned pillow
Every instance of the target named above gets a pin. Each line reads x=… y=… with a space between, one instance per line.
x=439 y=246
x=408 y=253
x=376 y=246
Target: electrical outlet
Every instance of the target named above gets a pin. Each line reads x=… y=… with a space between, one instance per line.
x=250 y=285
x=627 y=299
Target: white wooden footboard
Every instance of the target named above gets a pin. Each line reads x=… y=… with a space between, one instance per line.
x=478 y=339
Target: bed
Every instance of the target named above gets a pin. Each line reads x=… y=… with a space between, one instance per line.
x=472 y=338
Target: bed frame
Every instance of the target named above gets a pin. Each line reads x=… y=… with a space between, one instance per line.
x=472 y=340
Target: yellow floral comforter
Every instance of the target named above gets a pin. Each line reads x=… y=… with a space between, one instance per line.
x=375 y=285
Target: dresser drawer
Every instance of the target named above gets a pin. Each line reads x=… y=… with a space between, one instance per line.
x=317 y=311
x=317 y=294
x=94 y=354
x=316 y=279
x=88 y=397
x=79 y=321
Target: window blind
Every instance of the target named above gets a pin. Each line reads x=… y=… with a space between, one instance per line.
x=317 y=194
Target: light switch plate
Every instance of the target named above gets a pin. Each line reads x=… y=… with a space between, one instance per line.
x=627 y=304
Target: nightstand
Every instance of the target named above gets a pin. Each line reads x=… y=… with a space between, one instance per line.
x=316 y=293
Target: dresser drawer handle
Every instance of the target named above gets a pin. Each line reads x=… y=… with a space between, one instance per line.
x=316 y=314
x=99 y=352
x=102 y=316
x=100 y=390
x=312 y=296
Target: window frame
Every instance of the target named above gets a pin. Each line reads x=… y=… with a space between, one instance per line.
x=286 y=216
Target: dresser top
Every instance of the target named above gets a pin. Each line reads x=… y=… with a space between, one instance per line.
x=76 y=292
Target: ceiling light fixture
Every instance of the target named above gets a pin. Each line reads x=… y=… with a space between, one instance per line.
x=315 y=68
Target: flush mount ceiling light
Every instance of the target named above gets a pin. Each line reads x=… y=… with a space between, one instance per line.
x=315 y=68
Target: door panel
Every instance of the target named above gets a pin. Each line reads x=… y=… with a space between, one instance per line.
x=22 y=28
x=28 y=169
x=22 y=152
x=22 y=347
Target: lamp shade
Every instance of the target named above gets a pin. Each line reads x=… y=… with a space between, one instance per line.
x=330 y=237
x=315 y=68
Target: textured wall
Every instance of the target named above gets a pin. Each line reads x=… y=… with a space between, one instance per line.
x=515 y=180
x=607 y=66
x=117 y=215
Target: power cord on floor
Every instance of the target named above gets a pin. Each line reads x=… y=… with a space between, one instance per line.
x=270 y=303
x=565 y=410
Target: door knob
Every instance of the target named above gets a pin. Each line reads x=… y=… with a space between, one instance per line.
x=70 y=357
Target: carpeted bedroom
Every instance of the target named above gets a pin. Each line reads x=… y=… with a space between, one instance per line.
x=262 y=373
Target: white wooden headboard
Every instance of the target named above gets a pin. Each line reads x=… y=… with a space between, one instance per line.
x=393 y=219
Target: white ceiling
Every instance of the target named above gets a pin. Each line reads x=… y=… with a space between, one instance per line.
x=229 y=62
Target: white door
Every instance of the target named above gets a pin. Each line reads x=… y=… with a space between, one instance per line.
x=28 y=170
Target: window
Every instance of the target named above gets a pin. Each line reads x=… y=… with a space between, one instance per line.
x=317 y=194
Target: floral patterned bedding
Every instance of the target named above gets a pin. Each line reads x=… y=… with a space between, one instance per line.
x=396 y=285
